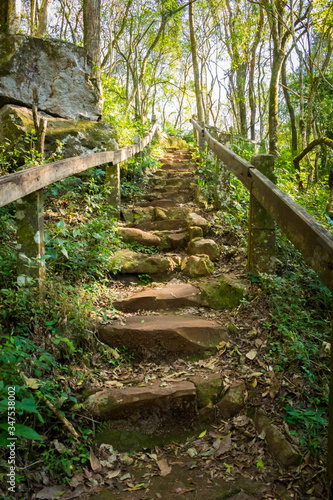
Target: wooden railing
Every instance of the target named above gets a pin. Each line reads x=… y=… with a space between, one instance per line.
x=26 y=188
x=31 y=179
x=313 y=241
x=268 y=204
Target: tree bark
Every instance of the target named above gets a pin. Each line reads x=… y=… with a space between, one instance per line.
x=290 y=110
x=309 y=147
x=10 y=16
x=42 y=19
x=198 y=93
x=91 y=30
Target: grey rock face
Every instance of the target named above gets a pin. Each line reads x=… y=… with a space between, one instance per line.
x=76 y=137
x=60 y=71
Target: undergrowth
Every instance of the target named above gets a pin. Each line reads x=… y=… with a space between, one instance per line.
x=48 y=346
x=299 y=332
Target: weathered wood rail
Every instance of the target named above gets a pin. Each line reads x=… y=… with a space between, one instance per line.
x=313 y=241
x=267 y=204
x=26 y=188
x=17 y=185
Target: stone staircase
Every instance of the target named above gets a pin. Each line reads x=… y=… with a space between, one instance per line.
x=167 y=322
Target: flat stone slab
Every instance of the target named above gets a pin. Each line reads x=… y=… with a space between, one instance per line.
x=163 y=225
x=124 y=402
x=128 y=262
x=158 y=336
x=154 y=299
x=131 y=235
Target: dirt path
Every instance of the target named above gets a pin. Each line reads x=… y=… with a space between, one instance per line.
x=196 y=414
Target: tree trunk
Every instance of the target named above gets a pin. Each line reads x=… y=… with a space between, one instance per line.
x=273 y=122
x=290 y=110
x=91 y=30
x=198 y=93
x=10 y=16
x=42 y=19
x=240 y=83
x=32 y=17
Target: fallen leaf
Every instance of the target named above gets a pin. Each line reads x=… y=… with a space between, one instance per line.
x=202 y=434
x=51 y=493
x=222 y=347
x=94 y=462
x=79 y=490
x=225 y=445
x=192 y=452
x=251 y=354
x=76 y=480
x=59 y=446
x=113 y=473
x=125 y=476
x=164 y=467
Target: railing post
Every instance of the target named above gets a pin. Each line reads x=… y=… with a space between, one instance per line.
x=261 y=243
x=202 y=141
x=112 y=181
x=30 y=238
x=222 y=174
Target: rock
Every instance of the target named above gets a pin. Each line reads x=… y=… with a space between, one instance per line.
x=204 y=247
x=196 y=220
x=233 y=402
x=195 y=232
x=232 y=329
x=157 y=336
x=60 y=71
x=160 y=214
x=207 y=415
x=197 y=265
x=131 y=235
x=152 y=408
x=278 y=446
x=136 y=214
x=126 y=261
x=201 y=196
x=77 y=137
x=177 y=240
x=174 y=295
x=162 y=225
x=222 y=293
x=209 y=388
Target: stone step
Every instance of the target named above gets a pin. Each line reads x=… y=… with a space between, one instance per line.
x=163 y=225
x=129 y=262
x=170 y=182
x=149 y=409
x=136 y=215
x=163 y=336
x=132 y=235
x=175 y=240
x=172 y=296
x=161 y=203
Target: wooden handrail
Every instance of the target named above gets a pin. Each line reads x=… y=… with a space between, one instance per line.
x=313 y=241
x=17 y=185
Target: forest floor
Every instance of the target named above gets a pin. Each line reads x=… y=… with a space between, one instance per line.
x=209 y=453
x=228 y=458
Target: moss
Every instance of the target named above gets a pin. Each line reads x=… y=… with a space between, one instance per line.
x=127 y=441
x=222 y=294
x=208 y=391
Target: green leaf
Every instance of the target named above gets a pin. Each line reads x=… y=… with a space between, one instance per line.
x=203 y=434
x=23 y=431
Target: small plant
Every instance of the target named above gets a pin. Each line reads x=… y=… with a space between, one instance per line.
x=144 y=278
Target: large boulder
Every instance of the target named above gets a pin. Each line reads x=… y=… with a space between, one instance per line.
x=68 y=137
x=59 y=70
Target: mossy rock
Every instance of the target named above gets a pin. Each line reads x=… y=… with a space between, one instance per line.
x=222 y=293
x=76 y=137
x=128 y=262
